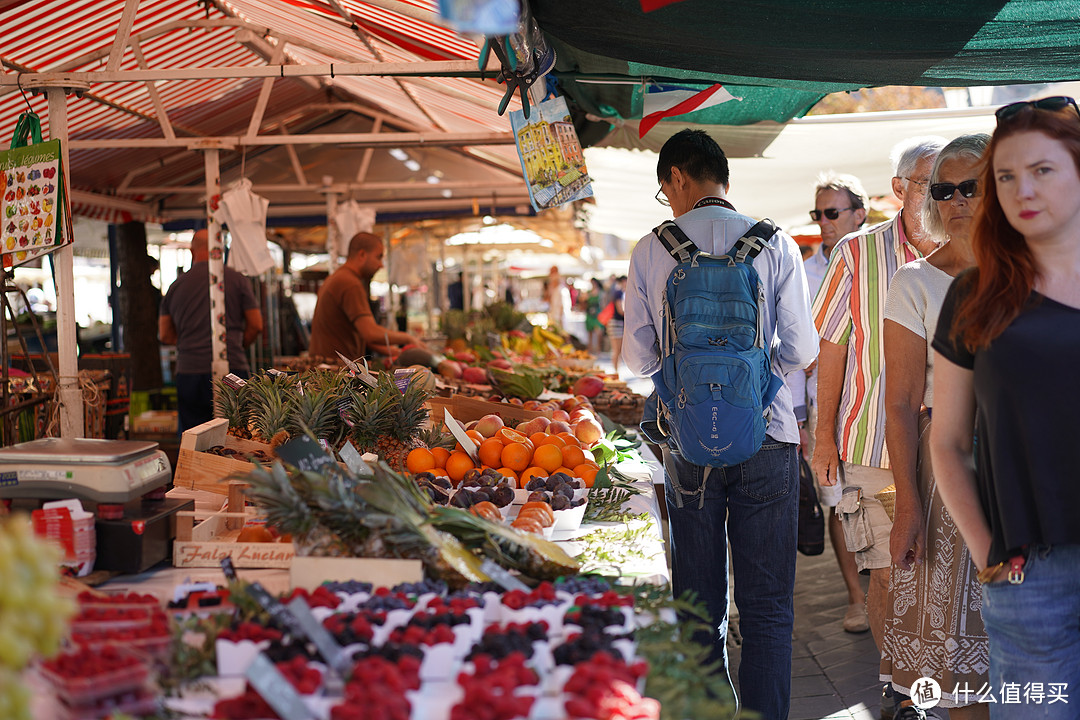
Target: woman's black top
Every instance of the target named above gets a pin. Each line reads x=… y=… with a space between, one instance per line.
x=1027 y=421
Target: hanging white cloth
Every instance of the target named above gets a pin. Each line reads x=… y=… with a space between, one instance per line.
x=350 y=218
x=245 y=214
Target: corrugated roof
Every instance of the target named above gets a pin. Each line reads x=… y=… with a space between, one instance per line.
x=78 y=35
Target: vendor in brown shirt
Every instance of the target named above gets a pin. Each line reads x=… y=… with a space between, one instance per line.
x=343 y=321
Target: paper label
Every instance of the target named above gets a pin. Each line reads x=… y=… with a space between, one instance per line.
x=352 y=459
x=306 y=454
x=499 y=575
x=324 y=642
x=458 y=431
x=276 y=690
x=358 y=372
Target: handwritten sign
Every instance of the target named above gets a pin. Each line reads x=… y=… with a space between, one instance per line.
x=458 y=431
x=308 y=455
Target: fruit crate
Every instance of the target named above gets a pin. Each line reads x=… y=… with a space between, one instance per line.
x=213 y=538
x=467 y=409
x=95 y=684
x=197 y=469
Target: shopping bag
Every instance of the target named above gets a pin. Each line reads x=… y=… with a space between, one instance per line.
x=606 y=314
x=35 y=216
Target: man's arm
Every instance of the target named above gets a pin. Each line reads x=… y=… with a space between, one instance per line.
x=641 y=342
x=166 y=330
x=830 y=383
x=253 y=325
x=375 y=334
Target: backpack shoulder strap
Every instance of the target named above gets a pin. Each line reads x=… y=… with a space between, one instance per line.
x=754 y=241
x=675 y=241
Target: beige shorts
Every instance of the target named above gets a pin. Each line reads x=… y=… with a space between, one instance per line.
x=867 y=526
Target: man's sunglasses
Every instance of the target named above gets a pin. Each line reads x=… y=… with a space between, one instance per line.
x=830 y=213
x=944 y=191
x=1053 y=104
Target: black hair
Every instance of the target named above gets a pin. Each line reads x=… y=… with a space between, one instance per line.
x=696 y=154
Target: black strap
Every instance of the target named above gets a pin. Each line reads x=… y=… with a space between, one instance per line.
x=675 y=241
x=745 y=250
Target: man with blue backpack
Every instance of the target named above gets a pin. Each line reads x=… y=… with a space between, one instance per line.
x=717 y=311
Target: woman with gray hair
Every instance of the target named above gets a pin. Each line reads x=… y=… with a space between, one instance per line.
x=933 y=626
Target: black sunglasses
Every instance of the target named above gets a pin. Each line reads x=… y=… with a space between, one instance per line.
x=830 y=213
x=1053 y=104
x=944 y=191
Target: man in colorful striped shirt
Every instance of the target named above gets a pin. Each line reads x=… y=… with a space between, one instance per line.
x=849 y=312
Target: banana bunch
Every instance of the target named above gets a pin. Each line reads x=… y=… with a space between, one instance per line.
x=33 y=615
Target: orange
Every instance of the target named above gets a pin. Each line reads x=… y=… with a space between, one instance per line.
x=419 y=460
x=507 y=472
x=554 y=440
x=569 y=438
x=573 y=456
x=548 y=456
x=516 y=456
x=538 y=437
x=476 y=436
x=457 y=464
x=564 y=469
x=529 y=473
x=587 y=473
x=441 y=454
x=491 y=452
x=509 y=435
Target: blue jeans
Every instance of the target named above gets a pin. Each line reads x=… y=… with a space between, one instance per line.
x=1034 y=631
x=755 y=504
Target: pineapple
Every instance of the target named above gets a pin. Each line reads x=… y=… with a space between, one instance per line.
x=401 y=435
x=316 y=409
x=271 y=402
x=232 y=404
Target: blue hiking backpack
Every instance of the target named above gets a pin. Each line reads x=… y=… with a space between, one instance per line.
x=715 y=384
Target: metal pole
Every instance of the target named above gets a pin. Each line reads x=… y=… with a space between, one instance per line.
x=331 y=228
x=67 y=344
x=216 y=267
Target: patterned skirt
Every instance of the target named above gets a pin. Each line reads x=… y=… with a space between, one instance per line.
x=933 y=622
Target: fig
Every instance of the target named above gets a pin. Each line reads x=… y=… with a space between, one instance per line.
x=462 y=499
x=537 y=483
x=560 y=502
x=441 y=481
x=502 y=495
x=538 y=496
x=471 y=477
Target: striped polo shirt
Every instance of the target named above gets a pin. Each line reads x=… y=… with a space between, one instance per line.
x=849 y=309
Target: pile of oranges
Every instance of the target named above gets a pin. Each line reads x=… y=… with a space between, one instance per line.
x=513 y=455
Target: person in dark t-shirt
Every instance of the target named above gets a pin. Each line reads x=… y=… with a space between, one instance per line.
x=184 y=321
x=1008 y=348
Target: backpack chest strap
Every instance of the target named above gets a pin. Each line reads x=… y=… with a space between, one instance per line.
x=746 y=248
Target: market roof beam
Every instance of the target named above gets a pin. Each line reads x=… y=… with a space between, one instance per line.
x=484 y=186
x=123 y=32
x=155 y=97
x=383 y=205
x=407 y=139
x=441 y=68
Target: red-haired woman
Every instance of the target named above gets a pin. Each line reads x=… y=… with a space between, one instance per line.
x=1008 y=349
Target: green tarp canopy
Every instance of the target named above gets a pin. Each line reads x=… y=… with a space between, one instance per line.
x=782 y=56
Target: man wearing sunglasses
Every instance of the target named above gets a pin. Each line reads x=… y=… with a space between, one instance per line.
x=840 y=207
x=848 y=310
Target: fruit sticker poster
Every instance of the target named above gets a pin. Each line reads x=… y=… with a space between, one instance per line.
x=32 y=212
x=551 y=156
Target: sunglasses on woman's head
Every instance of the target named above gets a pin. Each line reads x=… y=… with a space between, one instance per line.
x=830 y=213
x=944 y=191
x=1053 y=104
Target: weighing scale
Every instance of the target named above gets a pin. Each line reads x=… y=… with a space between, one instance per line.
x=110 y=472
x=121 y=481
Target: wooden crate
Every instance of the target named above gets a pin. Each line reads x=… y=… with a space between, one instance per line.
x=310 y=572
x=199 y=470
x=467 y=409
x=208 y=542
